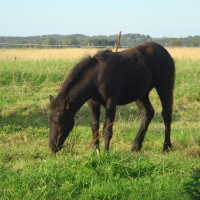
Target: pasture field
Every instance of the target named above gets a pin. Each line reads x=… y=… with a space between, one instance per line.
x=28 y=170
x=77 y=53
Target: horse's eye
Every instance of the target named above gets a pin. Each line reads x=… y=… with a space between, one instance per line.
x=56 y=122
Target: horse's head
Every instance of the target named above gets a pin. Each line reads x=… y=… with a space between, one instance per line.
x=61 y=122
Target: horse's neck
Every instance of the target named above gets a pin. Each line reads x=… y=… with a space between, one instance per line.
x=77 y=97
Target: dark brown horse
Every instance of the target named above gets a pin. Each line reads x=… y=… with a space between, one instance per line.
x=110 y=79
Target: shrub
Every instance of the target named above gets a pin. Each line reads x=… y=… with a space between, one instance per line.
x=192 y=188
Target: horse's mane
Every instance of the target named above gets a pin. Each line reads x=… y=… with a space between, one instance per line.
x=101 y=55
x=78 y=71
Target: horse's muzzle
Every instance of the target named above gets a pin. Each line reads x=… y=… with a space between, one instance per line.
x=55 y=149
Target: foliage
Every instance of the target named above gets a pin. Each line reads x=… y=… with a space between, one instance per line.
x=50 y=41
x=193 y=43
x=100 y=42
x=193 y=186
x=176 y=43
x=71 y=40
x=128 y=40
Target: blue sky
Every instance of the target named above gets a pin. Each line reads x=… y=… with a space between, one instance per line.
x=157 y=18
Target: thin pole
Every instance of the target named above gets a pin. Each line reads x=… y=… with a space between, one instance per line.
x=14 y=71
x=118 y=41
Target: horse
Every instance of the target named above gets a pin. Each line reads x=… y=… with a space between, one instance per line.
x=109 y=79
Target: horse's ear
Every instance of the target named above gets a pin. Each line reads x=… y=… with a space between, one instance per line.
x=67 y=106
x=67 y=102
x=51 y=98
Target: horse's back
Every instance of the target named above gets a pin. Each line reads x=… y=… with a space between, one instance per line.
x=153 y=60
x=150 y=54
x=131 y=74
x=161 y=61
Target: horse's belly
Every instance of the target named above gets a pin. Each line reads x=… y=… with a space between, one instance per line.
x=125 y=99
x=128 y=95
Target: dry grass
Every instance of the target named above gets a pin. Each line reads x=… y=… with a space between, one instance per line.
x=74 y=53
x=41 y=54
x=185 y=53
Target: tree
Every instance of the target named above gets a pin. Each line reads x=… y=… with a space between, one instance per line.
x=50 y=41
x=176 y=43
x=71 y=40
x=193 y=43
x=100 y=42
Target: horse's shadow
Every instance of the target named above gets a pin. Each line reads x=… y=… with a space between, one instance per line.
x=18 y=121
x=124 y=113
x=39 y=118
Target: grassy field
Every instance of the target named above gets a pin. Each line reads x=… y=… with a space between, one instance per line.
x=77 y=53
x=29 y=171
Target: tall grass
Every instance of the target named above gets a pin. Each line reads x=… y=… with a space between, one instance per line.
x=77 y=53
x=29 y=171
x=35 y=72
x=45 y=54
x=185 y=53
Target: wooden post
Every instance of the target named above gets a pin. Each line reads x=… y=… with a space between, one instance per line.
x=14 y=71
x=118 y=41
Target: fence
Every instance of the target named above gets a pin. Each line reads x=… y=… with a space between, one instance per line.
x=59 y=46
x=11 y=45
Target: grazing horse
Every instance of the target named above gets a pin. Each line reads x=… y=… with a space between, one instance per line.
x=114 y=78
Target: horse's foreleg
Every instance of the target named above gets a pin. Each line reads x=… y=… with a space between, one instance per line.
x=110 y=116
x=95 y=116
x=147 y=113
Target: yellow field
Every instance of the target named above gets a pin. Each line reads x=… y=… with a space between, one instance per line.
x=73 y=53
x=185 y=53
x=40 y=54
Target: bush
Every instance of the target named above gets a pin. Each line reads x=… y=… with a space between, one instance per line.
x=176 y=43
x=192 y=188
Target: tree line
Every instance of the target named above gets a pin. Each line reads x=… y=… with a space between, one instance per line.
x=61 y=41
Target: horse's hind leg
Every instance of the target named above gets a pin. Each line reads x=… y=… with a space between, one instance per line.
x=95 y=116
x=147 y=113
x=166 y=98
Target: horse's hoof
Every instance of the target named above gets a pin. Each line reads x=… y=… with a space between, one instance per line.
x=136 y=147
x=167 y=147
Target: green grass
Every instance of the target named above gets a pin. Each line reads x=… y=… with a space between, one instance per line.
x=29 y=171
